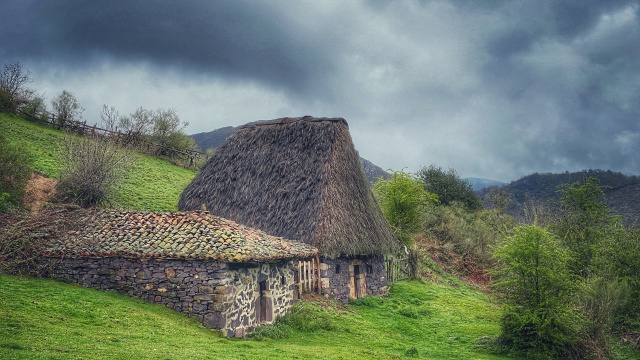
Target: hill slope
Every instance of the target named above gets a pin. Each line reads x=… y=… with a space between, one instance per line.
x=622 y=192
x=151 y=184
x=44 y=319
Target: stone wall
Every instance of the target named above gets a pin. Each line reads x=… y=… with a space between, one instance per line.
x=349 y=278
x=232 y=297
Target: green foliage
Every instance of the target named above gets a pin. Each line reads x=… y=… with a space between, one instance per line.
x=402 y=199
x=600 y=300
x=449 y=187
x=36 y=109
x=15 y=170
x=302 y=317
x=66 y=108
x=583 y=224
x=536 y=287
x=471 y=234
x=619 y=260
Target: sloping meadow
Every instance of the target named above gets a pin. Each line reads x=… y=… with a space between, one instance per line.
x=151 y=184
x=46 y=319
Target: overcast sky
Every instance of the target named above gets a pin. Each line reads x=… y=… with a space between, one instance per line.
x=498 y=90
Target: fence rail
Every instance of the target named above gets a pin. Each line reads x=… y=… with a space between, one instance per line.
x=81 y=128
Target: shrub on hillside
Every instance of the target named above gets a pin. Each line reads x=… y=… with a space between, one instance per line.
x=402 y=199
x=449 y=187
x=15 y=171
x=301 y=317
x=13 y=90
x=92 y=168
x=536 y=286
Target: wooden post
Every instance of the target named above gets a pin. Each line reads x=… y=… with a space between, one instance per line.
x=318 y=282
x=299 y=278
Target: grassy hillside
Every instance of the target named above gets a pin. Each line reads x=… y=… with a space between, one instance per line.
x=151 y=184
x=44 y=319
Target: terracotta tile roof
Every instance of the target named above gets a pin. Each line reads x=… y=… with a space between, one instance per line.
x=195 y=235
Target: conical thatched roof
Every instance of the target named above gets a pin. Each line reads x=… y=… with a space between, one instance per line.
x=299 y=178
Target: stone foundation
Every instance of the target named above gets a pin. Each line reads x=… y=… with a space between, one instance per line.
x=232 y=297
x=351 y=278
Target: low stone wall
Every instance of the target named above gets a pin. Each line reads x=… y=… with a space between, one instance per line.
x=348 y=278
x=232 y=297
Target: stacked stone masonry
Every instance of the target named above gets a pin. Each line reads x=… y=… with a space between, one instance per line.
x=232 y=297
x=347 y=278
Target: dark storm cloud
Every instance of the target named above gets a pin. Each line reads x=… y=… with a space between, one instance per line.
x=496 y=89
x=230 y=38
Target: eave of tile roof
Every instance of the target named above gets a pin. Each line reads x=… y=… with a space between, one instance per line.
x=195 y=235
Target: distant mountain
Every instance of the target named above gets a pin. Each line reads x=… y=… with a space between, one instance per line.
x=215 y=138
x=621 y=192
x=373 y=171
x=480 y=183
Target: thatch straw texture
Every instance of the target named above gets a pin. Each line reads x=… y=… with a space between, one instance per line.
x=299 y=178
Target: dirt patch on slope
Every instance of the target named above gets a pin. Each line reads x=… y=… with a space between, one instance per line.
x=38 y=191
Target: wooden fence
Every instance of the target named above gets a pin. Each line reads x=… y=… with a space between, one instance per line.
x=145 y=145
x=397 y=268
x=308 y=276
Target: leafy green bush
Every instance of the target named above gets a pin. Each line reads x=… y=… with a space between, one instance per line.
x=301 y=317
x=402 y=199
x=15 y=171
x=536 y=286
x=449 y=187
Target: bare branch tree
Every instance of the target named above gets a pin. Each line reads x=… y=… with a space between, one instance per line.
x=13 y=90
x=110 y=117
x=93 y=166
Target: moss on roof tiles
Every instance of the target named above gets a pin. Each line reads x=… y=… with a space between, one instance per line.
x=195 y=235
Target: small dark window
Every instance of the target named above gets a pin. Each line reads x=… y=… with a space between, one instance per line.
x=338 y=269
x=283 y=280
x=370 y=269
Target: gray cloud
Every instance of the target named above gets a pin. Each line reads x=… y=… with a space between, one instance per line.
x=495 y=89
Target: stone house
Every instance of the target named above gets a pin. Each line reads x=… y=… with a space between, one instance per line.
x=229 y=276
x=301 y=178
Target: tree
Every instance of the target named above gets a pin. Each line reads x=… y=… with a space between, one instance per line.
x=92 y=168
x=536 y=287
x=449 y=187
x=66 y=108
x=15 y=171
x=13 y=90
x=402 y=199
x=36 y=109
x=168 y=132
x=139 y=123
x=109 y=118
x=584 y=223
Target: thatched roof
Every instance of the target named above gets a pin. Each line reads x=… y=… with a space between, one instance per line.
x=195 y=235
x=299 y=178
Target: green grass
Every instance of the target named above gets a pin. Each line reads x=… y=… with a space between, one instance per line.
x=151 y=184
x=45 y=319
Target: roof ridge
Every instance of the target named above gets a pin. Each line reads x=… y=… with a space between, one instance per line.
x=289 y=120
